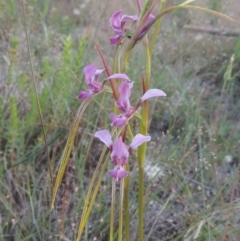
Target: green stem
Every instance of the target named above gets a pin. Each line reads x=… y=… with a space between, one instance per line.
x=142 y=149
x=141 y=204
x=126 y=206
x=121 y=210
x=126 y=57
x=148 y=66
x=112 y=209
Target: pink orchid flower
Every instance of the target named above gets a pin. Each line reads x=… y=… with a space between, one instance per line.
x=92 y=74
x=123 y=102
x=118 y=24
x=119 y=151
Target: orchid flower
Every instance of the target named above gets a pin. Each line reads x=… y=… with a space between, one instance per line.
x=92 y=74
x=119 y=151
x=117 y=23
x=123 y=102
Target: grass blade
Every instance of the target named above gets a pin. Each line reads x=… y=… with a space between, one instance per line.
x=68 y=148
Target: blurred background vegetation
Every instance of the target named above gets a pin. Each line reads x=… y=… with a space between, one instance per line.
x=192 y=168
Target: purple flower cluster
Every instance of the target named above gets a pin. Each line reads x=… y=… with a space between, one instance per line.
x=119 y=151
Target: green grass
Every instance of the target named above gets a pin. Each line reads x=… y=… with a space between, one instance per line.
x=193 y=131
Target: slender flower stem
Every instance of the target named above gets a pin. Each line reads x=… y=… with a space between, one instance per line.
x=148 y=63
x=141 y=205
x=112 y=209
x=126 y=191
x=142 y=148
x=141 y=159
x=126 y=57
x=126 y=207
x=121 y=211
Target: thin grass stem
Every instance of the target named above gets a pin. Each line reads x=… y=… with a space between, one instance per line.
x=36 y=93
x=156 y=30
x=112 y=209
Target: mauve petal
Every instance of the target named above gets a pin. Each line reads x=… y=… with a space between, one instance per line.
x=119 y=76
x=95 y=86
x=97 y=73
x=115 y=22
x=92 y=73
x=105 y=137
x=120 y=154
x=89 y=72
x=138 y=140
x=118 y=173
x=84 y=94
x=118 y=120
x=152 y=93
x=151 y=16
x=123 y=102
x=127 y=17
x=114 y=40
x=122 y=87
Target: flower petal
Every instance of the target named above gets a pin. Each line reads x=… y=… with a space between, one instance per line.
x=95 y=86
x=123 y=102
x=118 y=120
x=119 y=76
x=92 y=73
x=115 y=39
x=115 y=22
x=118 y=173
x=125 y=86
x=105 y=137
x=152 y=93
x=84 y=94
x=151 y=16
x=127 y=17
x=138 y=140
x=89 y=72
x=120 y=154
